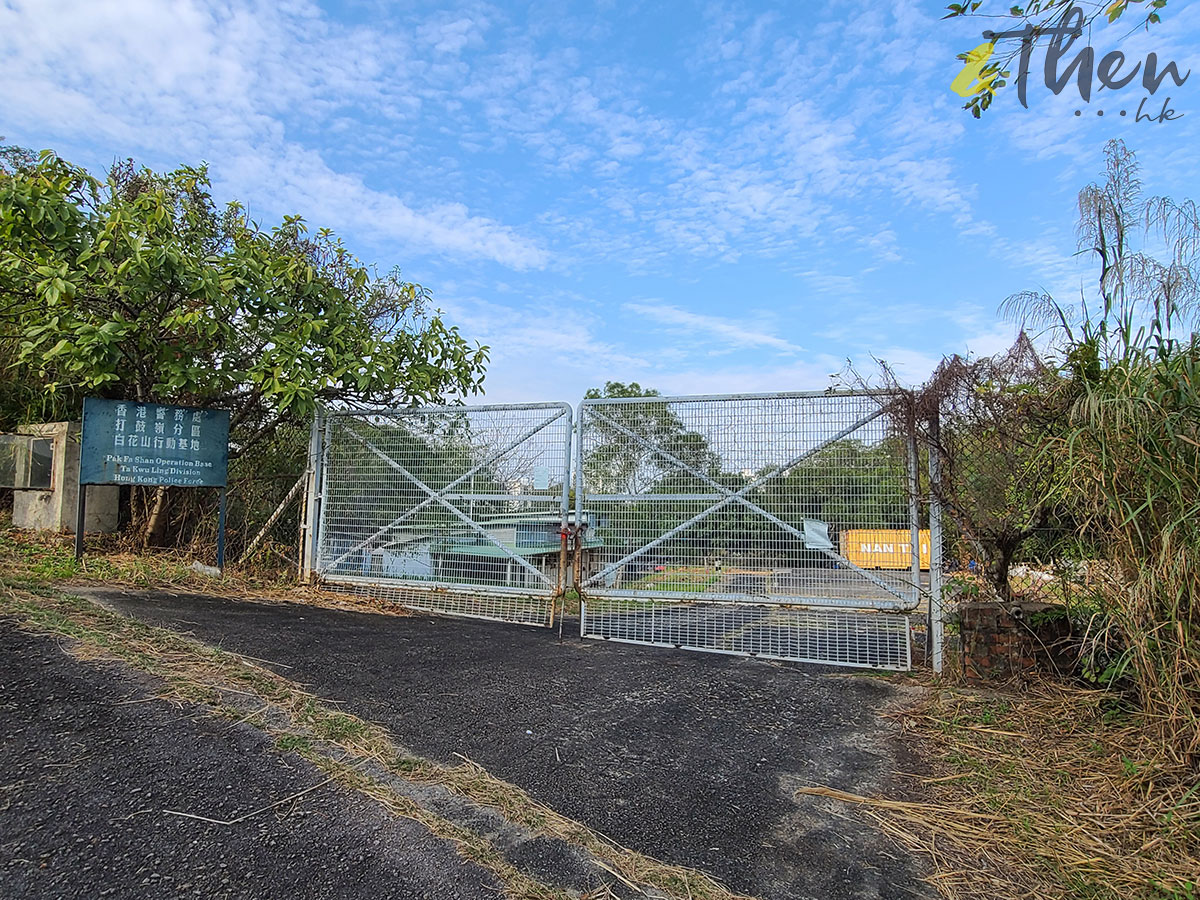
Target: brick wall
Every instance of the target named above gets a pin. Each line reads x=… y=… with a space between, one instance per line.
x=1001 y=642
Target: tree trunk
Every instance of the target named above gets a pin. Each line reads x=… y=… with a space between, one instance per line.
x=1005 y=551
x=155 y=531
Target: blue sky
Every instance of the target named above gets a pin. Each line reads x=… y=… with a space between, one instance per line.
x=703 y=197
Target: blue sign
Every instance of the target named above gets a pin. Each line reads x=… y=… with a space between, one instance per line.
x=125 y=442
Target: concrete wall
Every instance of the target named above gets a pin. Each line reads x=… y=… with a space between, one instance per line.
x=55 y=510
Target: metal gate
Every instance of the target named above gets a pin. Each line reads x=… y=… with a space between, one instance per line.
x=460 y=510
x=777 y=525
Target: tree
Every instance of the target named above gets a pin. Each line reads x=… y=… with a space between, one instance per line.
x=19 y=397
x=992 y=417
x=984 y=420
x=14 y=158
x=987 y=71
x=140 y=287
x=624 y=459
x=615 y=390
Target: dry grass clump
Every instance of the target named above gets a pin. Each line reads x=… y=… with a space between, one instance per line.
x=342 y=744
x=1058 y=792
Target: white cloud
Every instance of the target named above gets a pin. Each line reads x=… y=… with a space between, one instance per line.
x=817 y=158
x=912 y=367
x=453 y=33
x=545 y=350
x=220 y=81
x=730 y=332
x=812 y=375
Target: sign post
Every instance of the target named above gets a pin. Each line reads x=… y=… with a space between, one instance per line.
x=152 y=445
x=221 y=530
x=80 y=509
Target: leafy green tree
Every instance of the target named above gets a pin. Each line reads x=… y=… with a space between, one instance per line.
x=624 y=458
x=20 y=398
x=140 y=287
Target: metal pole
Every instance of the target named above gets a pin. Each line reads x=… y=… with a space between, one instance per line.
x=564 y=559
x=81 y=500
x=80 y=512
x=936 y=629
x=308 y=527
x=914 y=509
x=318 y=535
x=580 y=528
x=221 y=531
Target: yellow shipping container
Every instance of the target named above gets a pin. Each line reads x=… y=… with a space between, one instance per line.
x=883 y=548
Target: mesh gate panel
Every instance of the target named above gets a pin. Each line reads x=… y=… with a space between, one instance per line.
x=708 y=510
x=456 y=509
x=469 y=603
x=840 y=637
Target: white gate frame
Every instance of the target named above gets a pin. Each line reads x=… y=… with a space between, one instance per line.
x=833 y=615
x=470 y=600
x=844 y=617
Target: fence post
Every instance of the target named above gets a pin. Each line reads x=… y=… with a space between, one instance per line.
x=580 y=528
x=936 y=627
x=914 y=508
x=312 y=500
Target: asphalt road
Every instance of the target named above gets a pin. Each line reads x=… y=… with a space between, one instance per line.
x=90 y=762
x=692 y=758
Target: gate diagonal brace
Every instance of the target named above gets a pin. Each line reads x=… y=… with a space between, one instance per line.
x=441 y=493
x=436 y=497
x=739 y=497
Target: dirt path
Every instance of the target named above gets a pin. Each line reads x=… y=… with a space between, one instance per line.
x=90 y=761
x=688 y=757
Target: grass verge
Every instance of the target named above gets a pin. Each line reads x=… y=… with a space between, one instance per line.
x=31 y=559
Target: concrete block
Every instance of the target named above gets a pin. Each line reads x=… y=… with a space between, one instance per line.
x=55 y=509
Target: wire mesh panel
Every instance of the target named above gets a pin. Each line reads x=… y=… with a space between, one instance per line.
x=843 y=637
x=703 y=507
x=457 y=510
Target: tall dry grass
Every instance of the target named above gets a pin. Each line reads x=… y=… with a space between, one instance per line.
x=1133 y=447
x=1129 y=361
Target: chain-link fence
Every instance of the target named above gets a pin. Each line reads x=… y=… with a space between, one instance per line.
x=999 y=536
x=262 y=521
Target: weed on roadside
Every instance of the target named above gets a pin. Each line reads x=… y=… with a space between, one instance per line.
x=1045 y=795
